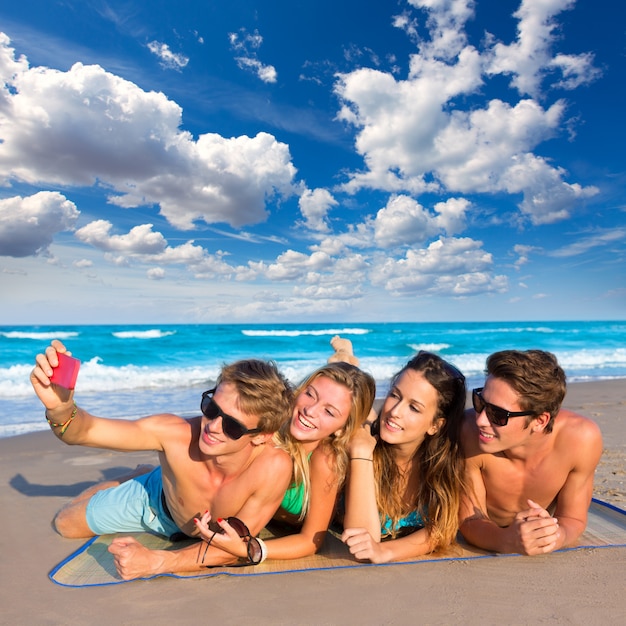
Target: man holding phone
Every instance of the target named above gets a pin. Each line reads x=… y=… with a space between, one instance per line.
x=529 y=464
x=217 y=462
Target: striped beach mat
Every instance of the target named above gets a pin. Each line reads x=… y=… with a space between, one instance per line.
x=92 y=564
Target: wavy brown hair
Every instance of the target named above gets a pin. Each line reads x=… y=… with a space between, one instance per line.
x=362 y=390
x=262 y=391
x=439 y=459
x=536 y=376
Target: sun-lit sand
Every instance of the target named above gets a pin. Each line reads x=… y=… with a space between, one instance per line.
x=38 y=473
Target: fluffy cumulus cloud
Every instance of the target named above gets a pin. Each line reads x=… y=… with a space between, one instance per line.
x=88 y=126
x=28 y=225
x=140 y=240
x=405 y=222
x=447 y=266
x=314 y=206
x=413 y=139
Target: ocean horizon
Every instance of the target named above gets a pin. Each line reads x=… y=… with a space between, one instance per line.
x=128 y=371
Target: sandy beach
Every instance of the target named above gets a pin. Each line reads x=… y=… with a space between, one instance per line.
x=38 y=473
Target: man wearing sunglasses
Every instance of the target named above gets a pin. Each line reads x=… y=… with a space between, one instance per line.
x=223 y=462
x=529 y=464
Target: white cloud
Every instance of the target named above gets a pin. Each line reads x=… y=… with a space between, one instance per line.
x=245 y=46
x=405 y=222
x=414 y=139
x=314 y=206
x=168 y=59
x=156 y=273
x=28 y=225
x=529 y=59
x=523 y=253
x=292 y=265
x=87 y=126
x=140 y=240
x=577 y=70
x=447 y=266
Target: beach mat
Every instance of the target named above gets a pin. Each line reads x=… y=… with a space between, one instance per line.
x=92 y=564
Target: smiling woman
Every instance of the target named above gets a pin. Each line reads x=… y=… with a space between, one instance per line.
x=404 y=487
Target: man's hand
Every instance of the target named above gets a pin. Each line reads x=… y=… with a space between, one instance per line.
x=133 y=560
x=363 y=547
x=52 y=396
x=535 y=530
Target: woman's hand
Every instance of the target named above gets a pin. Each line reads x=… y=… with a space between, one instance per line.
x=363 y=547
x=226 y=539
x=362 y=442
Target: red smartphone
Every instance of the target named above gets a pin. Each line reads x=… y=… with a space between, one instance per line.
x=66 y=372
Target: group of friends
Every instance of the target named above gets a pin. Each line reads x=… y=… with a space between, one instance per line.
x=512 y=474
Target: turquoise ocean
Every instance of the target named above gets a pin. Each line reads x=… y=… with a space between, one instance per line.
x=130 y=371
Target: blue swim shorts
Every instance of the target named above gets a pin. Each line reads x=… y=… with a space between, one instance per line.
x=133 y=506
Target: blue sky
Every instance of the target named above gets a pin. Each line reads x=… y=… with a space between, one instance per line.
x=418 y=160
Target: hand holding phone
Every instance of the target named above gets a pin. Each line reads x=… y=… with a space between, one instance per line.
x=66 y=372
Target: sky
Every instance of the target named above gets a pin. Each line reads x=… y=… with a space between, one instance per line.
x=312 y=161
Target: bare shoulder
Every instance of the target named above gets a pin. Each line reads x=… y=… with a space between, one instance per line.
x=272 y=460
x=174 y=432
x=577 y=432
x=574 y=426
x=165 y=421
x=323 y=459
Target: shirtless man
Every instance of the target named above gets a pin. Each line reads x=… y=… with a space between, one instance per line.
x=219 y=462
x=529 y=465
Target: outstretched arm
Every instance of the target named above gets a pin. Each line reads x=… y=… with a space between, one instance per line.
x=74 y=425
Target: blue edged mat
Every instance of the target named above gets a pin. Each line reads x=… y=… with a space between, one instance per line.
x=92 y=565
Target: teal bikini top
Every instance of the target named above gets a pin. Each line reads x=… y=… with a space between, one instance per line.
x=411 y=521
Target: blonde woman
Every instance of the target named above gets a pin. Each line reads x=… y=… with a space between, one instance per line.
x=330 y=406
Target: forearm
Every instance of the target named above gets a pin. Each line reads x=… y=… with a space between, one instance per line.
x=193 y=558
x=69 y=423
x=570 y=530
x=408 y=547
x=361 y=508
x=485 y=534
x=294 y=546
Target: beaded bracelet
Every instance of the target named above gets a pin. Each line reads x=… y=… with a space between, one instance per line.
x=64 y=425
x=361 y=458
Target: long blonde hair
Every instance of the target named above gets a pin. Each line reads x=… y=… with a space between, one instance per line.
x=362 y=390
x=439 y=458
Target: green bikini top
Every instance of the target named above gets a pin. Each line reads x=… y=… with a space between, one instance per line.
x=294 y=497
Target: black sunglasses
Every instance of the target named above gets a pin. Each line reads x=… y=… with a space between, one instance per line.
x=255 y=552
x=495 y=414
x=231 y=427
